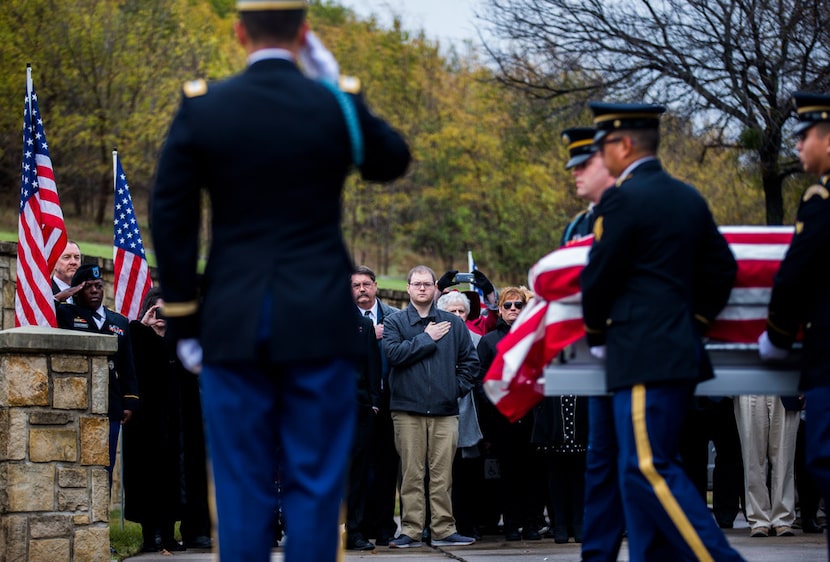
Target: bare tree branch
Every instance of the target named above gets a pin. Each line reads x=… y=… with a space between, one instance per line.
x=729 y=65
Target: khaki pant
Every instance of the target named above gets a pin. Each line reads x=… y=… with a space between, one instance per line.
x=423 y=442
x=768 y=433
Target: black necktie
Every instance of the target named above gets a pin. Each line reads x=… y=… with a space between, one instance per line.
x=368 y=314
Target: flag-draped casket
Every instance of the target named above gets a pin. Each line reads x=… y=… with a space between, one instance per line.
x=553 y=320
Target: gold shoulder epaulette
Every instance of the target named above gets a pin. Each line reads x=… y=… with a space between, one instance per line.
x=195 y=88
x=817 y=189
x=179 y=309
x=350 y=84
x=621 y=181
x=599 y=228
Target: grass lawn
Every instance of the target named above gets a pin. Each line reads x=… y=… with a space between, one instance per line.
x=127 y=541
x=87 y=248
x=394 y=284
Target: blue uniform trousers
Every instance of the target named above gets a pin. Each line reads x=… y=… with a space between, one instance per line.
x=309 y=411
x=817 y=439
x=603 y=522
x=665 y=516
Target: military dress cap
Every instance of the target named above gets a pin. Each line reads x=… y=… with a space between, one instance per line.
x=811 y=109
x=580 y=141
x=86 y=272
x=267 y=5
x=614 y=116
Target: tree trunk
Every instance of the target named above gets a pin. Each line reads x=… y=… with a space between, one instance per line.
x=774 y=200
x=103 y=198
x=769 y=153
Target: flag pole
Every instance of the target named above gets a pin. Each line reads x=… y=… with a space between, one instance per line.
x=120 y=440
x=471 y=265
x=29 y=86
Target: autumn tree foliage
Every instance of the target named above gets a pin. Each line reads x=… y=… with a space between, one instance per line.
x=488 y=172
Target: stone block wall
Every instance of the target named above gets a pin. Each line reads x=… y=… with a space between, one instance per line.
x=54 y=490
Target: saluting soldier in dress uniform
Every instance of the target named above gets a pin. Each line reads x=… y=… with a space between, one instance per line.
x=273 y=328
x=659 y=271
x=801 y=292
x=88 y=314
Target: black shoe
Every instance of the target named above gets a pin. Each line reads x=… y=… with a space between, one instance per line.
x=173 y=546
x=560 y=536
x=148 y=547
x=383 y=541
x=513 y=536
x=201 y=542
x=359 y=543
x=531 y=535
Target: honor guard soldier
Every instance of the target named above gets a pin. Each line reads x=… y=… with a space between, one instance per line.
x=272 y=327
x=581 y=149
x=800 y=298
x=601 y=535
x=658 y=273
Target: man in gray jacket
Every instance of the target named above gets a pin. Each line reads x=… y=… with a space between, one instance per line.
x=433 y=364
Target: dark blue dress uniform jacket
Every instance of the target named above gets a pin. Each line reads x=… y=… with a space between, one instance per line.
x=659 y=271
x=801 y=292
x=271 y=149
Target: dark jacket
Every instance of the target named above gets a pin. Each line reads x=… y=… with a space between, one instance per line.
x=123 y=388
x=579 y=227
x=428 y=377
x=152 y=452
x=271 y=149
x=659 y=271
x=385 y=311
x=368 y=370
x=801 y=293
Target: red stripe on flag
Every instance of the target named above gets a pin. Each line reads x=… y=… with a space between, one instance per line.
x=553 y=320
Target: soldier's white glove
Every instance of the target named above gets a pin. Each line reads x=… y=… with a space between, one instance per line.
x=318 y=62
x=190 y=354
x=769 y=352
x=598 y=351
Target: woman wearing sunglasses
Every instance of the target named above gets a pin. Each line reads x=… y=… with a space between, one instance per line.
x=521 y=470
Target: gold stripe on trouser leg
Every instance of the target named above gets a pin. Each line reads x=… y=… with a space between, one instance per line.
x=214 y=514
x=341 y=530
x=658 y=483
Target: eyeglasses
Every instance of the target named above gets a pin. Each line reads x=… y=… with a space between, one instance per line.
x=518 y=305
x=422 y=285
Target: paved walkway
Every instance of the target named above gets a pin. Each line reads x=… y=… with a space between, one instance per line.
x=800 y=548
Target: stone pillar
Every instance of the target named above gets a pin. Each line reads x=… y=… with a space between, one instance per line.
x=54 y=495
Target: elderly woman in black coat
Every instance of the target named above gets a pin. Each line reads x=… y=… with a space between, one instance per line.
x=164 y=453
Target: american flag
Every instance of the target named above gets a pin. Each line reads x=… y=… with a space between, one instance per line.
x=41 y=231
x=132 y=275
x=553 y=320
